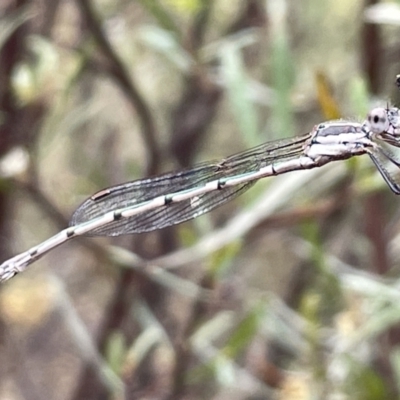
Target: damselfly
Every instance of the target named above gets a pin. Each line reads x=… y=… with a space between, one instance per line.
x=154 y=203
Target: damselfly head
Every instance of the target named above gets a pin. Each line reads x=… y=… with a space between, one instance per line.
x=384 y=123
x=383 y=127
x=378 y=120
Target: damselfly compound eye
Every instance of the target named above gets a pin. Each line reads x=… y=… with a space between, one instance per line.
x=378 y=120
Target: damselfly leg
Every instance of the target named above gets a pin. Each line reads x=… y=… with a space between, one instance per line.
x=383 y=128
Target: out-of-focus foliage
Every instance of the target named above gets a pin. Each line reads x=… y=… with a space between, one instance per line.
x=289 y=292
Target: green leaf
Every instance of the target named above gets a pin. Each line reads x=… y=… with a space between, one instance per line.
x=359 y=96
x=166 y=43
x=221 y=260
x=363 y=383
x=237 y=82
x=161 y=15
x=115 y=351
x=244 y=332
x=282 y=79
x=185 y=6
x=325 y=297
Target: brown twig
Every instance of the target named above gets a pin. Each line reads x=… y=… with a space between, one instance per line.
x=121 y=76
x=372 y=52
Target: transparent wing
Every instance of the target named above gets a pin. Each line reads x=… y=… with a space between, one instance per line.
x=387 y=160
x=134 y=193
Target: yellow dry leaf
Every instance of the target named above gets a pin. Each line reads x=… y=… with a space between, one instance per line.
x=25 y=302
x=295 y=387
x=184 y=6
x=327 y=102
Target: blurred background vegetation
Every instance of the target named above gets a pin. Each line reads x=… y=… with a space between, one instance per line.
x=290 y=292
